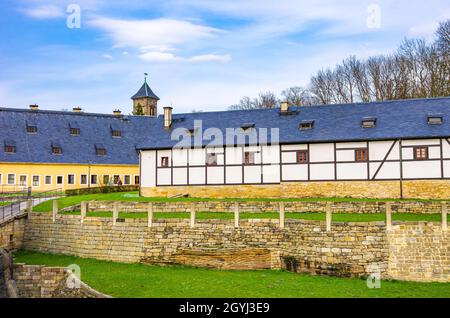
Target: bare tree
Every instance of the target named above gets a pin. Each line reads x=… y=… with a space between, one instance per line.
x=299 y=96
x=264 y=100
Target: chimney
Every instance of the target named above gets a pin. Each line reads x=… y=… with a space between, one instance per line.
x=77 y=109
x=117 y=113
x=34 y=107
x=284 y=107
x=167 y=117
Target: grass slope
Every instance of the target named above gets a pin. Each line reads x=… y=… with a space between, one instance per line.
x=138 y=280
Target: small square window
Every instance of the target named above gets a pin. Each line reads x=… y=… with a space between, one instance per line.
x=106 y=180
x=361 y=155
x=11 y=179
x=302 y=156
x=211 y=159
x=369 y=123
x=10 y=149
x=164 y=161
x=117 y=179
x=307 y=125
x=116 y=133
x=75 y=131
x=249 y=158
x=420 y=153
x=435 y=120
x=48 y=180
x=36 y=181
x=83 y=179
x=56 y=150
x=59 y=180
x=101 y=151
x=31 y=129
x=71 y=179
x=94 y=179
x=23 y=181
x=127 y=180
x=137 y=179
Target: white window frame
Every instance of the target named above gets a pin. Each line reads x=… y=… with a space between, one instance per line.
x=7 y=179
x=103 y=179
x=39 y=181
x=62 y=183
x=117 y=175
x=26 y=180
x=134 y=179
x=81 y=179
x=45 y=180
x=125 y=177
x=74 y=179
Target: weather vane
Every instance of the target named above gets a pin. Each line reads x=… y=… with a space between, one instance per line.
x=146 y=74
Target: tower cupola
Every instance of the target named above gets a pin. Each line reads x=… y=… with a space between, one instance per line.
x=145 y=102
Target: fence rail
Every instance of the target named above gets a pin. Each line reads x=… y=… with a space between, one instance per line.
x=19 y=200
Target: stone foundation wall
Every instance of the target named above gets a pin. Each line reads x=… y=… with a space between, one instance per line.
x=419 y=252
x=348 y=250
x=11 y=233
x=418 y=207
x=421 y=189
x=36 y=281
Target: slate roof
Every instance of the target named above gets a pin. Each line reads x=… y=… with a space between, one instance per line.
x=54 y=129
x=145 y=91
x=394 y=120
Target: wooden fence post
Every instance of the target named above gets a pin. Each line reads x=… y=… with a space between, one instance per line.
x=150 y=214
x=282 y=215
x=328 y=217
x=444 y=211
x=83 y=211
x=388 y=216
x=236 y=214
x=192 y=214
x=115 y=212
x=54 y=210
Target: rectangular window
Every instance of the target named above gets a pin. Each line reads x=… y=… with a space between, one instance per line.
x=59 y=180
x=31 y=129
x=136 y=180
x=83 y=179
x=126 y=180
x=302 y=156
x=11 y=179
x=101 y=151
x=10 y=149
x=420 y=153
x=164 y=161
x=48 y=180
x=71 y=179
x=249 y=158
x=116 y=133
x=75 y=131
x=56 y=150
x=361 y=154
x=211 y=159
x=106 y=180
x=94 y=179
x=23 y=181
x=116 y=179
x=36 y=181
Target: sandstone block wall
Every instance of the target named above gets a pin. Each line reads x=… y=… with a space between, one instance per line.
x=36 y=281
x=419 y=252
x=419 y=189
x=419 y=207
x=11 y=233
x=348 y=250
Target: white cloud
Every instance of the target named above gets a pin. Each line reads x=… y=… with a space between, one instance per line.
x=158 y=57
x=45 y=12
x=211 y=58
x=107 y=56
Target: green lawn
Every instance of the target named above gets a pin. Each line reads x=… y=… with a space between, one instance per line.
x=138 y=280
x=133 y=196
x=4 y=203
x=319 y=216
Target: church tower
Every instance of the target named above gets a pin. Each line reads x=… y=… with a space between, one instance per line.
x=145 y=102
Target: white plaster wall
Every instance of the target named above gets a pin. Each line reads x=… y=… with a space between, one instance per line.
x=252 y=174
x=234 y=175
x=295 y=173
x=321 y=152
x=164 y=176
x=351 y=145
x=447 y=169
x=271 y=154
x=389 y=170
x=180 y=176
x=351 y=171
x=271 y=174
x=421 y=169
x=446 y=149
x=322 y=172
x=197 y=157
x=379 y=149
x=294 y=147
x=233 y=155
x=148 y=161
x=164 y=153
x=180 y=157
x=345 y=155
x=197 y=176
x=215 y=175
x=420 y=142
x=289 y=157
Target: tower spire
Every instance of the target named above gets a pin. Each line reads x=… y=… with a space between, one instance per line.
x=145 y=77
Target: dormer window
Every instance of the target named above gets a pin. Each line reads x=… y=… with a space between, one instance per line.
x=100 y=150
x=74 y=129
x=369 y=123
x=435 y=120
x=32 y=129
x=307 y=125
x=248 y=126
x=56 y=149
x=10 y=147
x=116 y=133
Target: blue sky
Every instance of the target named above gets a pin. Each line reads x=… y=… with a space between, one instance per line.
x=201 y=55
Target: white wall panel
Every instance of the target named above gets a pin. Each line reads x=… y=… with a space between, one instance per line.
x=322 y=172
x=271 y=174
x=234 y=175
x=446 y=148
x=341 y=145
x=379 y=149
x=252 y=174
x=197 y=157
x=321 y=152
x=164 y=153
x=294 y=147
x=233 y=155
x=352 y=171
x=407 y=153
x=422 y=142
x=197 y=176
x=215 y=175
x=345 y=155
x=148 y=169
x=180 y=176
x=389 y=170
x=421 y=169
x=295 y=173
x=180 y=157
x=434 y=152
x=289 y=157
x=271 y=154
x=164 y=176
x=447 y=169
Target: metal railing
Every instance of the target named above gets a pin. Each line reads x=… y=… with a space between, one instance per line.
x=18 y=201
